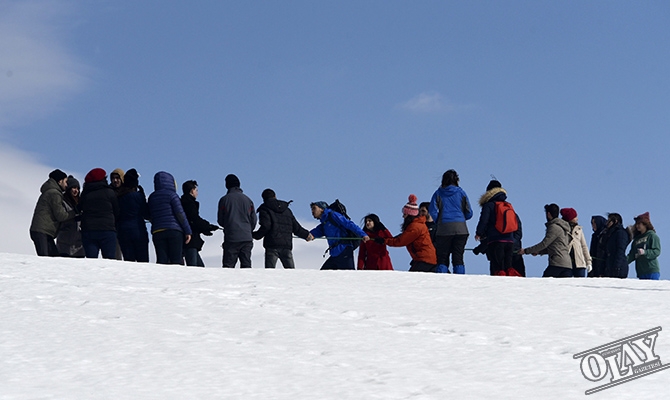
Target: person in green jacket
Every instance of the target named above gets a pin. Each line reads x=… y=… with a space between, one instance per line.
x=49 y=213
x=645 y=249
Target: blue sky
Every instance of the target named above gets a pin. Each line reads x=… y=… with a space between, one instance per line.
x=563 y=102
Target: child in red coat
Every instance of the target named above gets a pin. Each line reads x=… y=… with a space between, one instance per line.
x=373 y=255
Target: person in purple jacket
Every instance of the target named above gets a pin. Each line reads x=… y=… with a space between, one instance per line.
x=169 y=225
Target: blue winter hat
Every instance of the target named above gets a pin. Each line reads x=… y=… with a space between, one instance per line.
x=321 y=204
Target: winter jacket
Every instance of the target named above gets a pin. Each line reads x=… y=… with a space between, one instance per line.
x=133 y=212
x=597 y=247
x=334 y=225
x=165 y=207
x=556 y=244
x=198 y=224
x=278 y=225
x=579 y=248
x=99 y=207
x=68 y=240
x=237 y=216
x=518 y=235
x=646 y=263
x=616 y=262
x=417 y=241
x=456 y=210
x=486 y=228
x=373 y=255
x=49 y=210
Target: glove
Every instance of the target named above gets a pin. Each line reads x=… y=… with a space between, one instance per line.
x=379 y=240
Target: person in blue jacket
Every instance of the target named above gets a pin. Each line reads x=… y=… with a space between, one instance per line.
x=450 y=208
x=169 y=226
x=333 y=226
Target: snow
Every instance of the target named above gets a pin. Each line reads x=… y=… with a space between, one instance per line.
x=102 y=329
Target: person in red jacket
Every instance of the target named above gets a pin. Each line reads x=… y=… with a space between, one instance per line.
x=416 y=238
x=373 y=255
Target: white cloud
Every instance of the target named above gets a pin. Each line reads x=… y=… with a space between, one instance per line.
x=37 y=72
x=430 y=102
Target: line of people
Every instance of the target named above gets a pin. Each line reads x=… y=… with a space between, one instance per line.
x=111 y=219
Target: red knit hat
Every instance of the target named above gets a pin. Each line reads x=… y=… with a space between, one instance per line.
x=568 y=214
x=411 y=208
x=643 y=217
x=95 y=175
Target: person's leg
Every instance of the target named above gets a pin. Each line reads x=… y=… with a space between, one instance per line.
x=141 y=248
x=230 y=254
x=342 y=261
x=495 y=254
x=191 y=256
x=271 y=256
x=89 y=242
x=175 y=247
x=420 y=266
x=442 y=244
x=161 y=247
x=286 y=257
x=654 y=276
x=245 y=254
x=200 y=262
x=508 y=253
x=518 y=264
x=108 y=244
x=579 y=272
x=457 y=249
x=127 y=249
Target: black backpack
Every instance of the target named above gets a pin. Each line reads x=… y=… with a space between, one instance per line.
x=340 y=208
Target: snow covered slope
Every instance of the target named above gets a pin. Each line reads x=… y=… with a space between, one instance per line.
x=99 y=329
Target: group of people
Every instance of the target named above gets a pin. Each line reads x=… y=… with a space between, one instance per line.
x=110 y=219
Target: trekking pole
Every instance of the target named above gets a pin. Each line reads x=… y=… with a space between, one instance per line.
x=333 y=238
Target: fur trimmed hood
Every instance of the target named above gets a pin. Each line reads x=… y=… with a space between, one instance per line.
x=490 y=194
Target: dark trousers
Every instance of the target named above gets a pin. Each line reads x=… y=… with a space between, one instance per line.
x=135 y=250
x=45 y=245
x=169 y=246
x=500 y=256
x=518 y=264
x=285 y=255
x=192 y=257
x=237 y=251
x=99 y=242
x=557 y=272
x=579 y=272
x=453 y=245
x=420 y=266
x=344 y=260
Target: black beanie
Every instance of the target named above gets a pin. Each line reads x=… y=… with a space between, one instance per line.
x=131 y=178
x=493 y=184
x=57 y=175
x=232 y=181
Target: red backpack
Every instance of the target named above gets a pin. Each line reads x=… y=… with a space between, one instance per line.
x=505 y=217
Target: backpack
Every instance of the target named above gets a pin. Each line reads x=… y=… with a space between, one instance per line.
x=506 y=221
x=340 y=208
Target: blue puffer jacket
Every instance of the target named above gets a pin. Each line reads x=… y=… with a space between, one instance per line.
x=456 y=209
x=333 y=225
x=165 y=206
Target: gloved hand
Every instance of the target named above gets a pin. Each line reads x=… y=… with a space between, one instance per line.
x=640 y=252
x=379 y=240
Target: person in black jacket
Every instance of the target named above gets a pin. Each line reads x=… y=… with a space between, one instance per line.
x=131 y=228
x=198 y=225
x=99 y=211
x=616 y=242
x=278 y=225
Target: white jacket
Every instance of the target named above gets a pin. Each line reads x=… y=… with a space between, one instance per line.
x=580 y=248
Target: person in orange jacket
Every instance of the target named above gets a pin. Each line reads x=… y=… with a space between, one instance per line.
x=416 y=238
x=373 y=255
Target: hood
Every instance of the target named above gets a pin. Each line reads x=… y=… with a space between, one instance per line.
x=448 y=191
x=495 y=194
x=600 y=221
x=274 y=205
x=164 y=181
x=562 y=223
x=50 y=184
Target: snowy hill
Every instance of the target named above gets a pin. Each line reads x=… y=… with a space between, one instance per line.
x=100 y=329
